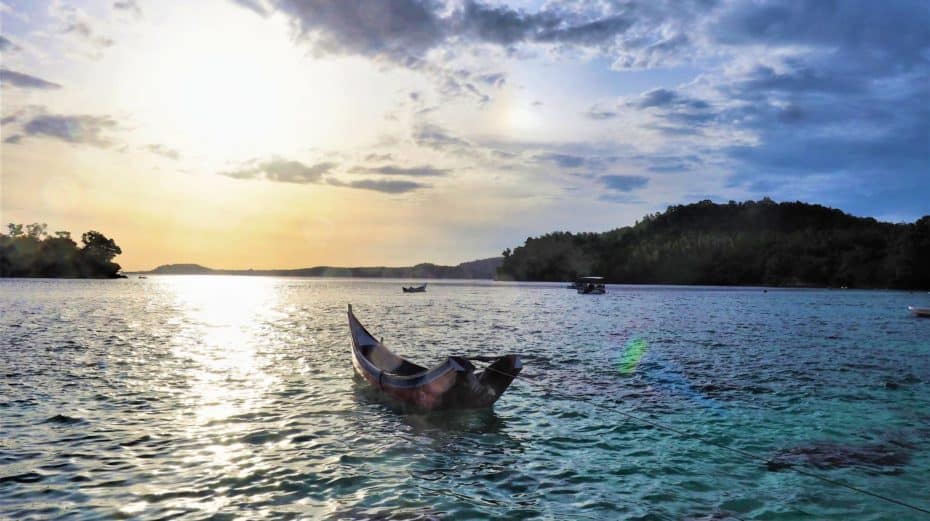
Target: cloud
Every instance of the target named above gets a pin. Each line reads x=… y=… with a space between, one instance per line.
x=128 y=6
x=433 y=136
x=405 y=31
x=7 y=45
x=76 y=22
x=496 y=79
x=623 y=183
x=375 y=157
x=164 y=151
x=399 y=29
x=661 y=98
x=562 y=160
x=75 y=129
x=392 y=170
x=289 y=171
x=25 y=81
x=824 y=100
x=256 y=6
x=283 y=171
x=600 y=114
x=390 y=186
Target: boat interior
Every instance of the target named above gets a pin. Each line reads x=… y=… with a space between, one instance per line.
x=388 y=362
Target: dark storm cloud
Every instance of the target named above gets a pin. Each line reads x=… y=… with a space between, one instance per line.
x=25 y=81
x=282 y=170
x=893 y=33
x=393 y=170
x=394 y=28
x=78 y=129
x=623 y=183
x=405 y=30
x=842 y=108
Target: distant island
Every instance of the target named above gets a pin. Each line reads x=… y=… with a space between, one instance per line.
x=749 y=243
x=29 y=251
x=478 y=269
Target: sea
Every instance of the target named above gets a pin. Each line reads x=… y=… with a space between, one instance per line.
x=215 y=397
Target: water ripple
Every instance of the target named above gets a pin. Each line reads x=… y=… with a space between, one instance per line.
x=219 y=397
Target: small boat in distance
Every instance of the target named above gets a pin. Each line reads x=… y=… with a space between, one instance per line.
x=415 y=289
x=453 y=384
x=591 y=286
x=919 y=312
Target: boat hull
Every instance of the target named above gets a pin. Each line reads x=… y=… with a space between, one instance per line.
x=919 y=312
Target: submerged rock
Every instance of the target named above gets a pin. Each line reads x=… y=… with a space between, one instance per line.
x=831 y=455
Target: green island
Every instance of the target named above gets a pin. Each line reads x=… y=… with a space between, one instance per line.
x=748 y=243
x=29 y=251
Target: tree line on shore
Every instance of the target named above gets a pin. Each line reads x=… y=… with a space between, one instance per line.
x=30 y=251
x=747 y=243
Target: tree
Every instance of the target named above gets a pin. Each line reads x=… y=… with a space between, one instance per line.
x=36 y=230
x=97 y=246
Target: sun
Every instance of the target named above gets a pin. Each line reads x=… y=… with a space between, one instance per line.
x=225 y=89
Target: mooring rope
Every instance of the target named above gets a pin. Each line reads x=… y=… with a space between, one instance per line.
x=770 y=464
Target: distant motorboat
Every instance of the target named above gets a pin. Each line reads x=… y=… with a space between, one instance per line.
x=919 y=312
x=415 y=289
x=591 y=286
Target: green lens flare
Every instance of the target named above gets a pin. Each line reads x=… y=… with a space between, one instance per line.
x=633 y=352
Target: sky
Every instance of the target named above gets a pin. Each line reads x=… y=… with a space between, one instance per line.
x=295 y=133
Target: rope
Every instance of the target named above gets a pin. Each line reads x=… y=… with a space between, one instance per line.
x=770 y=465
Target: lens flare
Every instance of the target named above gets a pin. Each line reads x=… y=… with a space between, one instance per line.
x=632 y=354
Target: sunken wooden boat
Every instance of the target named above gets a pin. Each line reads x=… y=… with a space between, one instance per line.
x=453 y=384
x=415 y=289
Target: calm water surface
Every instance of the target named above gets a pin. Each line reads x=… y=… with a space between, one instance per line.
x=234 y=397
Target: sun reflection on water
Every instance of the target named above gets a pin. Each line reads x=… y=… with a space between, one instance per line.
x=222 y=322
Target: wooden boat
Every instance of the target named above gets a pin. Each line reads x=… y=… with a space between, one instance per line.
x=453 y=384
x=415 y=289
x=919 y=312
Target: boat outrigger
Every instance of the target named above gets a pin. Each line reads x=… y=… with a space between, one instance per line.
x=453 y=384
x=415 y=289
x=591 y=286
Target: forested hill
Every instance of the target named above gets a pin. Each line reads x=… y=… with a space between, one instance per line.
x=750 y=243
x=478 y=269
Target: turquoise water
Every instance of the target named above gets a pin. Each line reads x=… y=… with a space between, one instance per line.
x=233 y=397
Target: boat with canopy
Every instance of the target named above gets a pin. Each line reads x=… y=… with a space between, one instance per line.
x=591 y=286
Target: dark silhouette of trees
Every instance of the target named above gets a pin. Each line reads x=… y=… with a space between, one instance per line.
x=755 y=242
x=37 y=254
